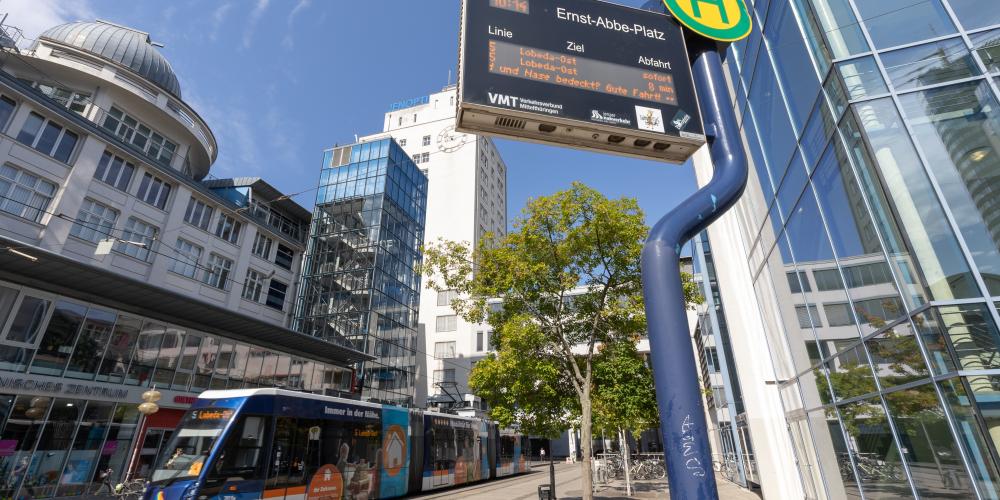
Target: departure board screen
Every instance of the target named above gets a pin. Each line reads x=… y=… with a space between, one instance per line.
x=580 y=60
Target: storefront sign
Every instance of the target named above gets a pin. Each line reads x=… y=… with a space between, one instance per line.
x=44 y=385
x=409 y=103
x=62 y=388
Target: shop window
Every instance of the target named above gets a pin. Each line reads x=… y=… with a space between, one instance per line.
x=116 y=358
x=90 y=347
x=52 y=449
x=56 y=345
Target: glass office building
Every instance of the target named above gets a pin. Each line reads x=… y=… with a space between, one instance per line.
x=874 y=214
x=359 y=284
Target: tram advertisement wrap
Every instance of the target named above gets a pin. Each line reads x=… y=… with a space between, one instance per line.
x=395 y=451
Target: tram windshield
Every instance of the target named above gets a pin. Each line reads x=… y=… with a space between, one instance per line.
x=185 y=454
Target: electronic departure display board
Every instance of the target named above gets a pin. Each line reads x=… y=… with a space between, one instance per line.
x=581 y=73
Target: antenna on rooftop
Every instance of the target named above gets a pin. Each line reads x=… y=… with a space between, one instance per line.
x=449 y=76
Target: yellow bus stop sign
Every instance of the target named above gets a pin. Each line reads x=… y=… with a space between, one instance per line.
x=722 y=20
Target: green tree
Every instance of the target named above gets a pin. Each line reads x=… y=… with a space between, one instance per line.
x=568 y=275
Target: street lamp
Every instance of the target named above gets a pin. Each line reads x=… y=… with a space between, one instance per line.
x=146 y=408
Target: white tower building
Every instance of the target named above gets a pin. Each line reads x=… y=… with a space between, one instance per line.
x=467 y=198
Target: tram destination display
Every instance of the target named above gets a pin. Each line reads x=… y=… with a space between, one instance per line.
x=580 y=73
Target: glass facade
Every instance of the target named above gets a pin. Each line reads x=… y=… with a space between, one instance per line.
x=359 y=285
x=58 y=444
x=873 y=129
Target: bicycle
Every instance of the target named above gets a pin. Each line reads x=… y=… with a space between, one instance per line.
x=129 y=490
x=649 y=468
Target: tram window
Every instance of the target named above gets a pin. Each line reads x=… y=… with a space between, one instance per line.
x=443 y=451
x=294 y=457
x=242 y=454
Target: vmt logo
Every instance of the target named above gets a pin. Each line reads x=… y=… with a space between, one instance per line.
x=723 y=20
x=505 y=100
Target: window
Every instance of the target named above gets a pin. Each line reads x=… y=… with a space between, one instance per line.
x=217 y=271
x=446 y=376
x=253 y=285
x=712 y=359
x=228 y=229
x=798 y=285
x=480 y=341
x=114 y=171
x=23 y=194
x=7 y=106
x=137 y=239
x=425 y=157
x=402 y=142
x=48 y=137
x=447 y=323
x=838 y=314
x=426 y=141
x=444 y=350
x=132 y=131
x=187 y=256
x=198 y=214
x=69 y=99
x=94 y=222
x=445 y=297
x=262 y=246
x=276 y=294
x=804 y=312
x=284 y=256
x=153 y=190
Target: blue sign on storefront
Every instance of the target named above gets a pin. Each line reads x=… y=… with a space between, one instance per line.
x=409 y=103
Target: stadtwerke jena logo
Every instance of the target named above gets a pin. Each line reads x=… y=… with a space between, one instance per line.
x=723 y=20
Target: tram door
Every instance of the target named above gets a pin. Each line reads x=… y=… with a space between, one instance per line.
x=290 y=464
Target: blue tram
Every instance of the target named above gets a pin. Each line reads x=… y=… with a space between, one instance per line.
x=272 y=443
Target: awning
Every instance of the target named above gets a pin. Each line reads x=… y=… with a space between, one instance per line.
x=62 y=275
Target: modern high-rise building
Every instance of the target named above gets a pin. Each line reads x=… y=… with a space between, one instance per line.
x=360 y=287
x=122 y=268
x=466 y=199
x=864 y=253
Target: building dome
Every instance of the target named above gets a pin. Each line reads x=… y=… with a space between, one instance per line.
x=121 y=45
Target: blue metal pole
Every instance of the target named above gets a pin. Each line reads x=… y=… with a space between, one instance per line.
x=682 y=417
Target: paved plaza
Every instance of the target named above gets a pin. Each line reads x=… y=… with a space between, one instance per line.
x=525 y=487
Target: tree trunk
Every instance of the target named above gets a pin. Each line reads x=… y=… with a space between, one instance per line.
x=625 y=456
x=587 y=445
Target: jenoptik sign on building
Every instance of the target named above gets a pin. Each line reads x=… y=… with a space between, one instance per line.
x=580 y=73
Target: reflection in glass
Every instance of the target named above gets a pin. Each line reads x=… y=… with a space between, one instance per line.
x=26 y=417
x=874 y=452
x=91 y=344
x=987 y=45
x=795 y=72
x=896 y=356
x=850 y=374
x=860 y=78
x=24 y=330
x=47 y=463
x=771 y=117
x=929 y=64
x=833 y=457
x=957 y=127
x=960 y=337
x=932 y=454
x=875 y=132
x=80 y=474
x=976 y=444
x=976 y=13
x=146 y=349
x=57 y=343
x=840 y=29
x=116 y=358
x=896 y=22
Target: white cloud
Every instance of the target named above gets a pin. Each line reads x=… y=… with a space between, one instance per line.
x=288 y=41
x=255 y=15
x=218 y=16
x=35 y=16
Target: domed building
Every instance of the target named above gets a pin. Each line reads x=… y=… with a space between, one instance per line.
x=121 y=269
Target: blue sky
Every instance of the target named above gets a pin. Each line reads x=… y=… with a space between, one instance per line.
x=281 y=80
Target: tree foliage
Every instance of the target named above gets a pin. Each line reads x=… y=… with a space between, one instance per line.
x=569 y=279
